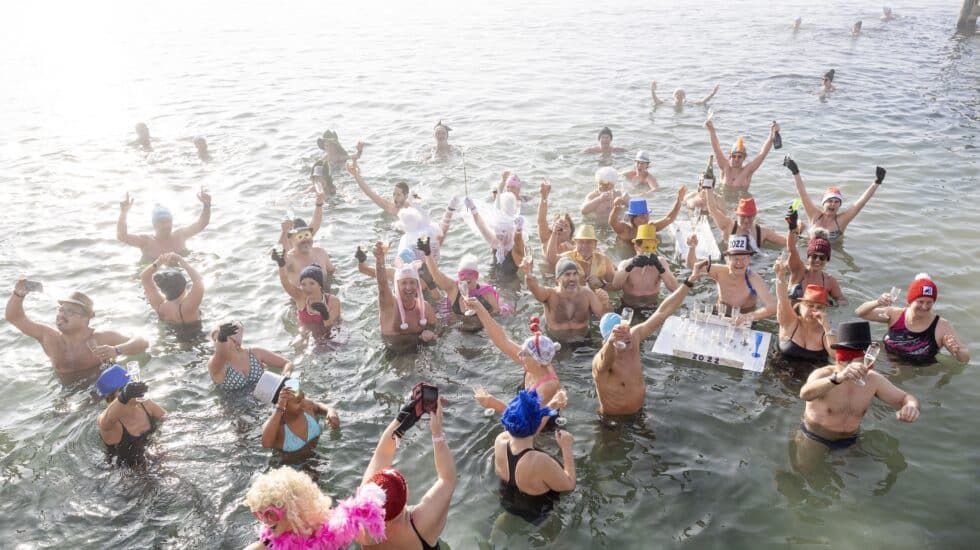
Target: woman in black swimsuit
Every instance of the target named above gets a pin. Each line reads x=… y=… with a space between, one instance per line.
x=412 y=526
x=167 y=292
x=530 y=480
x=804 y=331
x=126 y=424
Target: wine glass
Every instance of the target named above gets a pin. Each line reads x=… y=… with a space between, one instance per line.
x=627 y=319
x=870 y=356
x=894 y=293
x=133 y=370
x=464 y=293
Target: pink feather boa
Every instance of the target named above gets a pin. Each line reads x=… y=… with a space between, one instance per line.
x=365 y=510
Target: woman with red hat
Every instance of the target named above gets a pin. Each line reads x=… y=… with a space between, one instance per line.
x=743 y=223
x=828 y=216
x=804 y=330
x=915 y=333
x=812 y=272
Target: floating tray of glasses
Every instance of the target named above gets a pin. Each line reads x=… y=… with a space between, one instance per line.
x=714 y=340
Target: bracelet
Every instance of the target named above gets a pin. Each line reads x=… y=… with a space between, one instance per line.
x=438 y=438
x=19 y=295
x=688 y=283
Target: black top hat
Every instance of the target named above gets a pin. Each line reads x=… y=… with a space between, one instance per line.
x=853 y=335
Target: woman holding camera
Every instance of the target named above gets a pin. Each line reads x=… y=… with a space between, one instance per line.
x=236 y=369
x=293 y=427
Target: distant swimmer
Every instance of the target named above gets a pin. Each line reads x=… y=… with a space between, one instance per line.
x=402 y=311
x=599 y=202
x=557 y=238
x=828 y=216
x=639 y=277
x=887 y=15
x=743 y=223
x=129 y=420
x=640 y=174
x=827 y=83
x=568 y=307
x=796 y=24
x=680 y=97
x=856 y=29
x=638 y=213
x=839 y=395
x=142 y=137
x=735 y=174
x=165 y=288
x=165 y=238
x=75 y=350
x=442 y=150
x=334 y=152
x=616 y=369
x=605 y=146
x=510 y=183
x=399 y=195
x=201 y=145
x=739 y=287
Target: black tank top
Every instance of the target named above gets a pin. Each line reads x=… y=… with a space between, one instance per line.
x=532 y=508
x=131 y=449
x=793 y=351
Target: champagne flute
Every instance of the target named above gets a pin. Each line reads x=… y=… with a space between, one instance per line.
x=893 y=294
x=480 y=391
x=464 y=293
x=870 y=356
x=133 y=370
x=627 y=319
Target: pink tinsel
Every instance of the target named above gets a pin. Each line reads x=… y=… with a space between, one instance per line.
x=365 y=510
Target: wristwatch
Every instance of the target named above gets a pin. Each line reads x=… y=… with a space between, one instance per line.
x=688 y=283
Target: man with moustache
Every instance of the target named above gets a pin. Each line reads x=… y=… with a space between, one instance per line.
x=164 y=239
x=76 y=351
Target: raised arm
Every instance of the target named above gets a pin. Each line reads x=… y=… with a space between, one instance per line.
x=794 y=263
x=196 y=295
x=766 y=147
x=385 y=298
x=615 y=220
x=122 y=232
x=540 y=293
x=384 y=452
x=670 y=304
x=480 y=224
x=768 y=308
x=653 y=94
x=846 y=217
x=722 y=221
x=561 y=479
x=708 y=97
x=784 y=306
x=672 y=215
x=273 y=425
x=383 y=203
x=442 y=281
x=494 y=331
x=202 y=220
x=720 y=157
x=150 y=290
x=317 y=219
x=294 y=291
x=16 y=316
x=274 y=360
x=692 y=252
x=430 y=514
x=812 y=210
x=544 y=232
x=878 y=310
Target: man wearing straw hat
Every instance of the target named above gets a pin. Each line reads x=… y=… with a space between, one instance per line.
x=640 y=276
x=595 y=268
x=76 y=351
x=640 y=174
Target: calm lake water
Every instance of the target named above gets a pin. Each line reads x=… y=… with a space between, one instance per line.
x=525 y=86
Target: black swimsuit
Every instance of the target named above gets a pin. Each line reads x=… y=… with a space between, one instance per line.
x=130 y=451
x=532 y=508
x=506 y=267
x=791 y=350
x=425 y=545
x=459 y=311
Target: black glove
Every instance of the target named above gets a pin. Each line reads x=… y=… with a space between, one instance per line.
x=879 y=175
x=320 y=308
x=791 y=164
x=424 y=246
x=278 y=257
x=792 y=218
x=226 y=330
x=360 y=255
x=407 y=417
x=131 y=390
x=654 y=260
x=634 y=262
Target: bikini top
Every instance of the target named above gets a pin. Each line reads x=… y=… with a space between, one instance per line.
x=292 y=442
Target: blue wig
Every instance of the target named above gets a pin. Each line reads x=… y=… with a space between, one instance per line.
x=524 y=413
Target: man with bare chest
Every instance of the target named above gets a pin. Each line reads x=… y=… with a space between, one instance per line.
x=164 y=238
x=76 y=351
x=569 y=307
x=735 y=173
x=297 y=240
x=616 y=369
x=639 y=277
x=402 y=312
x=838 y=396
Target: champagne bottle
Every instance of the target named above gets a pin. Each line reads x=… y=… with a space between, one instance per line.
x=708 y=176
x=777 y=140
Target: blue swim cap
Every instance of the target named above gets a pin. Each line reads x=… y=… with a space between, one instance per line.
x=161 y=213
x=111 y=379
x=407 y=255
x=608 y=323
x=524 y=413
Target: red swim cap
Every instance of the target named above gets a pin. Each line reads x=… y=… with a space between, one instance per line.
x=393 y=484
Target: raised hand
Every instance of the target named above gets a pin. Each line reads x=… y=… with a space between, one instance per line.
x=773 y=128
x=701 y=269
x=408 y=415
x=470 y=205
x=204 y=197
x=278 y=257
x=692 y=240
x=126 y=203
x=791 y=164
x=792 y=218
x=287 y=226
x=226 y=330
x=527 y=265
x=559 y=401
x=132 y=390
x=379 y=250
x=545 y=189
x=352 y=168
x=424 y=246
x=619 y=202
x=360 y=255
x=879 y=175
x=565 y=440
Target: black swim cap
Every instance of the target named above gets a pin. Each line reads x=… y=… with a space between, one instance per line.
x=172 y=283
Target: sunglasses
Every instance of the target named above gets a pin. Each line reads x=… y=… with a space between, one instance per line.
x=66 y=311
x=820 y=257
x=272 y=514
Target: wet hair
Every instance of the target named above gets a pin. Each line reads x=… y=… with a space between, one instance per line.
x=172 y=283
x=403 y=186
x=605 y=130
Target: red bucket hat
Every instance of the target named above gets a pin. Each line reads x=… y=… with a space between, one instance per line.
x=746 y=207
x=815 y=294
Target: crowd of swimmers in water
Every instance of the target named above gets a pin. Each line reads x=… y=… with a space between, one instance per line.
x=419 y=298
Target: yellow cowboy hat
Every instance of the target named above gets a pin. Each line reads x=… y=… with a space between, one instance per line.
x=585 y=233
